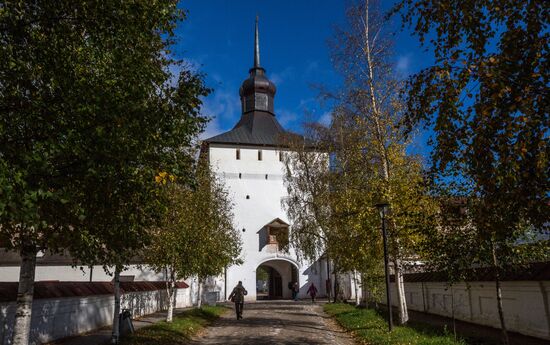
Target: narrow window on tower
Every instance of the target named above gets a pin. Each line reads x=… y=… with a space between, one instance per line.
x=259 y=155
x=238 y=154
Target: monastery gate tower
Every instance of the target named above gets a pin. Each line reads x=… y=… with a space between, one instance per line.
x=249 y=160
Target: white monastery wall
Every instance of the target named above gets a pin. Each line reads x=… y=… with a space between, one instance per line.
x=57 y=318
x=526 y=304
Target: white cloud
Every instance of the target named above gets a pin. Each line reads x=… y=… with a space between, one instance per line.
x=403 y=64
x=213 y=128
x=286 y=117
x=223 y=104
x=325 y=118
x=223 y=108
x=279 y=78
x=312 y=66
x=307 y=102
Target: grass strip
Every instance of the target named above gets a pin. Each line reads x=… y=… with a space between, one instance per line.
x=179 y=331
x=371 y=328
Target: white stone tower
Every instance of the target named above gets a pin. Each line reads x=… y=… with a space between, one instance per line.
x=248 y=158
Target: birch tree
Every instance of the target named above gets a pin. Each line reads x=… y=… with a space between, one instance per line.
x=485 y=97
x=361 y=52
x=87 y=118
x=357 y=184
x=306 y=179
x=196 y=236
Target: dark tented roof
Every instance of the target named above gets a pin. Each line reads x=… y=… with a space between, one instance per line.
x=254 y=128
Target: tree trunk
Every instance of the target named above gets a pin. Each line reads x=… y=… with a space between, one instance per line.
x=400 y=289
x=505 y=339
x=336 y=283
x=328 y=285
x=171 y=284
x=357 y=301
x=23 y=312
x=364 y=291
x=199 y=301
x=380 y=135
x=115 y=334
x=336 y=287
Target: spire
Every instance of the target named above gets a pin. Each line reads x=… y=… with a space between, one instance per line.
x=256 y=46
x=257 y=92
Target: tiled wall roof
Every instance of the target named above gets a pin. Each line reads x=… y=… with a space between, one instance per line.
x=56 y=289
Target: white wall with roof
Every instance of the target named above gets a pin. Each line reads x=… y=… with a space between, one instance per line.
x=256 y=188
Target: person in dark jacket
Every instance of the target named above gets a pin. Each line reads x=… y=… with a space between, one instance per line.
x=237 y=297
x=312 y=291
x=295 y=291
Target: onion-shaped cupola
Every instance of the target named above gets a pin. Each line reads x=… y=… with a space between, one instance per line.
x=257 y=92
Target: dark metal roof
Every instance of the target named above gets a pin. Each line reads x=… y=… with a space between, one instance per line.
x=55 y=289
x=254 y=128
x=533 y=272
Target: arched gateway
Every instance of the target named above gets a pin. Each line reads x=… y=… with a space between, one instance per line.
x=274 y=279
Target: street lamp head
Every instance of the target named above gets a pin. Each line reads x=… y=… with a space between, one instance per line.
x=382 y=208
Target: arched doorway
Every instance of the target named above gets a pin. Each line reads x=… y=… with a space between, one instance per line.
x=274 y=279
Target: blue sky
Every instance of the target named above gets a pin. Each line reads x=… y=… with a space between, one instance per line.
x=217 y=39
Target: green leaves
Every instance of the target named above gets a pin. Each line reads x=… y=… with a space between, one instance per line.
x=196 y=235
x=88 y=116
x=483 y=98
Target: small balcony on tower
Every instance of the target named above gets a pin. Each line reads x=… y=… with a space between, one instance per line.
x=274 y=236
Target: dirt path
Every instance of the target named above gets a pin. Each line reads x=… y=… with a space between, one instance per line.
x=277 y=322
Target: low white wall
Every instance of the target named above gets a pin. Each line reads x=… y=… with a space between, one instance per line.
x=63 y=317
x=69 y=273
x=526 y=303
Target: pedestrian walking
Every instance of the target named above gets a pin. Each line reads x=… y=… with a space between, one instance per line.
x=295 y=290
x=237 y=297
x=312 y=291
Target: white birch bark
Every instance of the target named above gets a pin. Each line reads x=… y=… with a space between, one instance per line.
x=505 y=339
x=400 y=289
x=380 y=136
x=171 y=297
x=23 y=312
x=115 y=334
x=199 y=301
x=357 y=301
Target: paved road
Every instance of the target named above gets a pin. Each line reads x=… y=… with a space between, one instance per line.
x=274 y=323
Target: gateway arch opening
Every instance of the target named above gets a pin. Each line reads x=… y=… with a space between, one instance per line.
x=274 y=279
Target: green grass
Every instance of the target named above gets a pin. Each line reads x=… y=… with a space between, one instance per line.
x=182 y=328
x=371 y=328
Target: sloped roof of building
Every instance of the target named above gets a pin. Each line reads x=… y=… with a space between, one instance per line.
x=536 y=271
x=254 y=128
x=277 y=223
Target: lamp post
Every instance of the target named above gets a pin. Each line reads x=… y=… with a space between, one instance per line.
x=382 y=208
